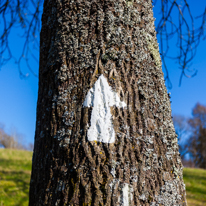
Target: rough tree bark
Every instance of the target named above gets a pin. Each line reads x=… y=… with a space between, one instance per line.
x=104 y=132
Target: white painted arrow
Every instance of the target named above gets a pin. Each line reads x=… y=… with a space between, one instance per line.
x=101 y=98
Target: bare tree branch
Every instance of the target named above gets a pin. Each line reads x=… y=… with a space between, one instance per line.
x=183 y=29
x=23 y=14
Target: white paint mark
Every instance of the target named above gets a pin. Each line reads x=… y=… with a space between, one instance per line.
x=126 y=195
x=125 y=191
x=101 y=98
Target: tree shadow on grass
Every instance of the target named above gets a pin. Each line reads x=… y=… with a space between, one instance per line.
x=196 y=190
x=195 y=176
x=20 y=191
x=15 y=164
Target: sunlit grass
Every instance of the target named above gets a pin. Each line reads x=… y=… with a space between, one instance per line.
x=15 y=169
x=195 y=180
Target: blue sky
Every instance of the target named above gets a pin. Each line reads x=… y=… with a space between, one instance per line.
x=18 y=96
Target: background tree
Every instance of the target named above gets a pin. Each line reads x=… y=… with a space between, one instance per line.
x=13 y=140
x=197 y=141
x=104 y=132
x=26 y=14
x=182 y=131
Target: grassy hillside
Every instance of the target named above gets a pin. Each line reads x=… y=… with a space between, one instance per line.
x=15 y=167
x=195 y=180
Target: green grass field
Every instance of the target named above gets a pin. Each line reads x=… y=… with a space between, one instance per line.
x=195 y=180
x=15 y=169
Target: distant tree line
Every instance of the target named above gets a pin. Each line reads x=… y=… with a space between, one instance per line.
x=10 y=141
x=194 y=130
x=13 y=140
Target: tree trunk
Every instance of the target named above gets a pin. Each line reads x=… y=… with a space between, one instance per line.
x=104 y=132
